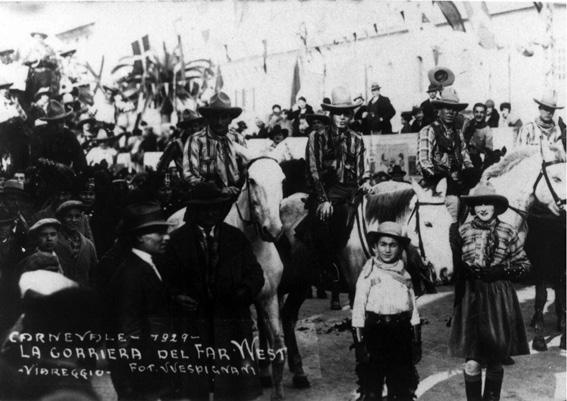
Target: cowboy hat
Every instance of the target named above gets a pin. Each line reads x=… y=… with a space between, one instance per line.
x=220 y=104
x=441 y=76
x=47 y=222
x=388 y=229
x=188 y=118
x=549 y=100
x=208 y=193
x=55 y=111
x=340 y=100
x=5 y=52
x=86 y=118
x=68 y=52
x=42 y=34
x=449 y=99
x=320 y=117
x=142 y=216
x=68 y=205
x=5 y=84
x=485 y=194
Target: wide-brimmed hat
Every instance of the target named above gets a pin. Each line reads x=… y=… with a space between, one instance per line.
x=68 y=205
x=188 y=118
x=86 y=118
x=68 y=52
x=397 y=171
x=5 y=52
x=278 y=130
x=56 y=111
x=388 y=229
x=549 y=100
x=42 y=34
x=5 y=84
x=449 y=98
x=375 y=86
x=441 y=76
x=44 y=223
x=142 y=216
x=103 y=136
x=485 y=194
x=219 y=104
x=319 y=116
x=6 y=216
x=340 y=100
x=208 y=193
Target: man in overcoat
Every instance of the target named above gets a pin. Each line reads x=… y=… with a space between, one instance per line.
x=137 y=303
x=214 y=278
x=380 y=112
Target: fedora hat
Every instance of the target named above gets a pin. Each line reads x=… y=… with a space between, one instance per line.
x=68 y=205
x=320 y=117
x=208 y=193
x=485 y=194
x=449 y=98
x=56 y=111
x=375 y=86
x=388 y=229
x=38 y=225
x=219 y=104
x=142 y=215
x=340 y=100
x=549 y=100
x=6 y=216
x=188 y=118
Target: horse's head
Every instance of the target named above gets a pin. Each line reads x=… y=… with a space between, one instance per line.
x=551 y=189
x=429 y=228
x=264 y=187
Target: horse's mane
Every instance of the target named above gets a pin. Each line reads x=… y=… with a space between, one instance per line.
x=388 y=206
x=518 y=155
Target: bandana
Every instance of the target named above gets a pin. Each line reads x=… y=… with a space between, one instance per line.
x=492 y=239
x=547 y=128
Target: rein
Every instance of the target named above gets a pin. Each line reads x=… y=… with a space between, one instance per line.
x=543 y=173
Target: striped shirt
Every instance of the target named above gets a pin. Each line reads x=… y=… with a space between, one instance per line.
x=509 y=251
x=334 y=157
x=431 y=159
x=208 y=157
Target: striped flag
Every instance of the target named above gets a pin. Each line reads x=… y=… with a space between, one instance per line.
x=140 y=54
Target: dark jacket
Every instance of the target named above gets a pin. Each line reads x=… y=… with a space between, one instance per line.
x=58 y=145
x=296 y=115
x=380 y=113
x=492 y=122
x=137 y=305
x=223 y=303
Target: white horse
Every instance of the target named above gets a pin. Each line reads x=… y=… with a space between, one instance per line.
x=256 y=213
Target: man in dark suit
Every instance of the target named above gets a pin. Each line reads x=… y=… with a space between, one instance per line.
x=380 y=112
x=214 y=278
x=429 y=111
x=137 y=303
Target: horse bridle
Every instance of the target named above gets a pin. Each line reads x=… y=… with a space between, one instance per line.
x=247 y=186
x=543 y=173
x=362 y=229
x=418 y=225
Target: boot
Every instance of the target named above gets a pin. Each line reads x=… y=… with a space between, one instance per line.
x=473 y=387
x=539 y=343
x=493 y=385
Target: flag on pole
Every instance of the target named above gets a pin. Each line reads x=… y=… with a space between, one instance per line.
x=296 y=82
x=452 y=15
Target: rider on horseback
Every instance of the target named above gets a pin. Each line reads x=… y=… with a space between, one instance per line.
x=336 y=172
x=210 y=154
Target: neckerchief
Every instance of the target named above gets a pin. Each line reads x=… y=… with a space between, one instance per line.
x=395 y=270
x=546 y=128
x=492 y=239
x=450 y=144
